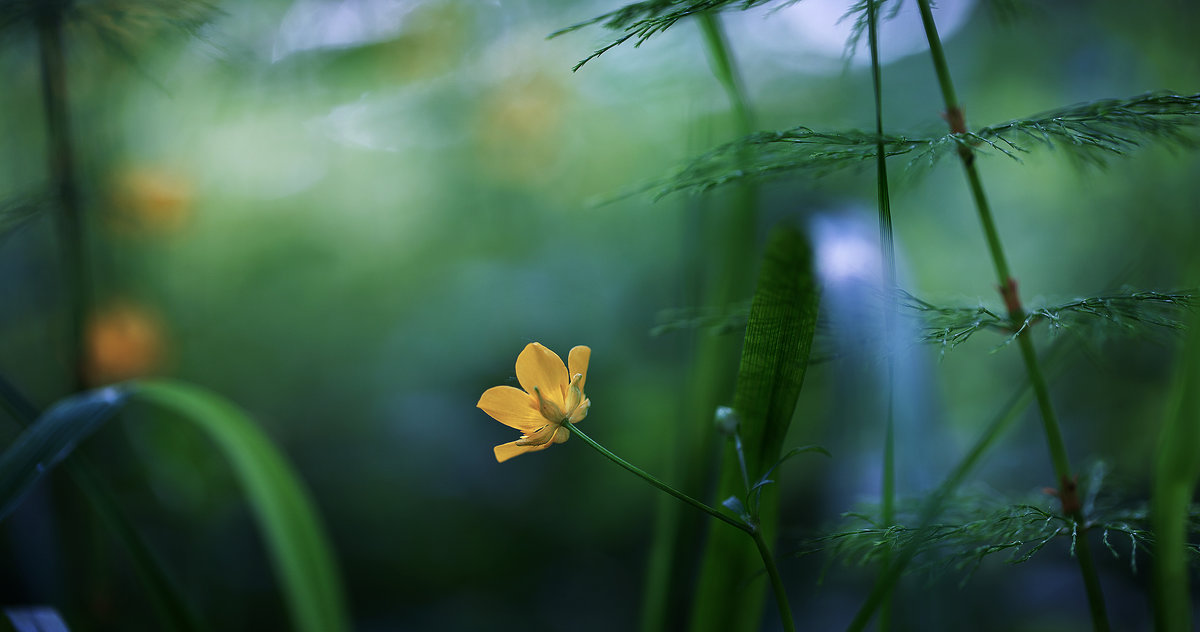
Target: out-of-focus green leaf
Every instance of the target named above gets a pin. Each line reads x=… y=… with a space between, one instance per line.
x=783 y=318
x=51 y=439
x=15 y=212
x=295 y=541
x=299 y=550
x=1175 y=475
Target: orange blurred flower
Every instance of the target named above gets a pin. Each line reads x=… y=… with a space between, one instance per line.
x=552 y=399
x=153 y=199
x=123 y=341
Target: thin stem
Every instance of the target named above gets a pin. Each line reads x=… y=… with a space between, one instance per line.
x=725 y=70
x=62 y=173
x=781 y=598
x=1008 y=289
x=932 y=505
x=887 y=245
x=659 y=484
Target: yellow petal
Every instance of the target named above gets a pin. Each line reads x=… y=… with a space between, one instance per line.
x=577 y=360
x=540 y=367
x=512 y=407
x=506 y=451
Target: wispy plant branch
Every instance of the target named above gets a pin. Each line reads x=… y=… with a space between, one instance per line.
x=980 y=530
x=1091 y=132
x=1131 y=311
x=640 y=21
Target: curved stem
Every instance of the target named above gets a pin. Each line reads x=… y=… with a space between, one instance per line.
x=785 y=611
x=661 y=485
x=781 y=599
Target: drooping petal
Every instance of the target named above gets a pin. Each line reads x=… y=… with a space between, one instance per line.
x=506 y=451
x=577 y=360
x=512 y=407
x=540 y=436
x=540 y=367
x=580 y=412
x=562 y=434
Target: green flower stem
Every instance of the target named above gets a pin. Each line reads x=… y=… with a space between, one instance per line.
x=659 y=484
x=785 y=611
x=1016 y=313
x=781 y=599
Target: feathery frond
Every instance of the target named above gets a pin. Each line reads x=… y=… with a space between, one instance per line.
x=642 y=20
x=1130 y=311
x=1091 y=132
x=766 y=154
x=980 y=529
x=1098 y=130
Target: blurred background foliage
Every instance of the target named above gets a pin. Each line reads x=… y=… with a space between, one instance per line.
x=350 y=216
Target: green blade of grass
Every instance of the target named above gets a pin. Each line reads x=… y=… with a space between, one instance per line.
x=51 y=439
x=774 y=359
x=93 y=407
x=299 y=551
x=1176 y=472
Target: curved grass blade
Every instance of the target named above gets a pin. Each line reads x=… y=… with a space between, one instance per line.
x=1176 y=472
x=295 y=540
x=783 y=318
x=167 y=600
x=51 y=439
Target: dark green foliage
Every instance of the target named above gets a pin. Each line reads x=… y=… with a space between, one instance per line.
x=642 y=20
x=1091 y=132
x=15 y=212
x=115 y=21
x=1176 y=472
x=51 y=439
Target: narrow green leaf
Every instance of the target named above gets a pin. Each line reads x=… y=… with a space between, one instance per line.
x=295 y=541
x=783 y=318
x=299 y=550
x=1176 y=473
x=48 y=441
x=167 y=600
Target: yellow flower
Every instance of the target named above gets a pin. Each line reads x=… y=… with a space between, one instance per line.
x=552 y=399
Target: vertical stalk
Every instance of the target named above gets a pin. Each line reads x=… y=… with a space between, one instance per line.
x=781 y=598
x=62 y=174
x=888 y=261
x=719 y=599
x=728 y=234
x=1068 y=493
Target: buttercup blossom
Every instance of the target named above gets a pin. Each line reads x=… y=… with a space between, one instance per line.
x=552 y=399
